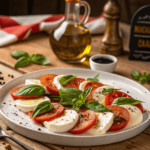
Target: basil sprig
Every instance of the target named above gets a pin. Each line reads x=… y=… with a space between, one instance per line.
x=25 y=59
x=110 y=90
x=75 y=97
x=31 y=90
x=94 y=79
x=126 y=101
x=96 y=106
x=65 y=79
x=145 y=78
x=43 y=107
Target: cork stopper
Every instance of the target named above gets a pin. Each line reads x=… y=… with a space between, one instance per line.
x=72 y=1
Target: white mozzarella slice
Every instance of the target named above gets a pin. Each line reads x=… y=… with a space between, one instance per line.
x=103 y=123
x=136 y=116
x=56 y=81
x=97 y=94
x=63 y=123
x=27 y=105
x=82 y=85
x=34 y=81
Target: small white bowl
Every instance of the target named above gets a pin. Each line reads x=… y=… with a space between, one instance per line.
x=109 y=67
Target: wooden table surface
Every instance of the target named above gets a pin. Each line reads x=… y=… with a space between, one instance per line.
x=39 y=43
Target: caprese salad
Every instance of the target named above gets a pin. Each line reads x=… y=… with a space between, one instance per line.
x=66 y=103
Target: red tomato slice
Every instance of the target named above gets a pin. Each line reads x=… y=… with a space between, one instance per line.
x=50 y=115
x=93 y=84
x=47 y=81
x=86 y=121
x=119 y=111
x=111 y=96
x=13 y=91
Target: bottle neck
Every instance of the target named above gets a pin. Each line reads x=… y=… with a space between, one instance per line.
x=72 y=12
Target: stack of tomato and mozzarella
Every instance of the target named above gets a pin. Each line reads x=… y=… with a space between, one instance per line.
x=64 y=119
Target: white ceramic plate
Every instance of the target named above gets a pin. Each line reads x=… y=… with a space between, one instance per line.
x=29 y=129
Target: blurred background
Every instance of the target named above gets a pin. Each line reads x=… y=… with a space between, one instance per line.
x=30 y=7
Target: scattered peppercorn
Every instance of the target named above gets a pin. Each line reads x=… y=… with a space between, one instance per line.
x=12 y=76
x=8 y=75
x=1 y=78
x=0 y=72
x=0 y=83
x=3 y=82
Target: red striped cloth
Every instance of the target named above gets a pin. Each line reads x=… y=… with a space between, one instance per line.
x=13 y=29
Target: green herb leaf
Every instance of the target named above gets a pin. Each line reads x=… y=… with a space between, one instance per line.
x=94 y=79
x=110 y=90
x=64 y=80
x=143 y=80
x=40 y=59
x=22 y=62
x=19 y=54
x=68 y=94
x=43 y=107
x=85 y=94
x=120 y=118
x=31 y=90
x=126 y=101
x=96 y=106
x=136 y=75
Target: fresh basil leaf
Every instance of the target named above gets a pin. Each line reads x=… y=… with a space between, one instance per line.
x=96 y=106
x=126 y=101
x=85 y=94
x=40 y=59
x=136 y=75
x=120 y=118
x=148 y=77
x=143 y=79
x=22 y=62
x=94 y=79
x=68 y=94
x=43 y=107
x=110 y=90
x=31 y=90
x=19 y=54
x=77 y=103
x=64 y=80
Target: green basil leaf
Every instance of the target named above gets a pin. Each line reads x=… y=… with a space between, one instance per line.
x=68 y=94
x=94 y=79
x=43 y=107
x=120 y=118
x=64 y=80
x=85 y=94
x=110 y=90
x=19 y=54
x=31 y=90
x=126 y=101
x=148 y=76
x=136 y=75
x=40 y=59
x=22 y=62
x=96 y=106
x=143 y=79
x=77 y=103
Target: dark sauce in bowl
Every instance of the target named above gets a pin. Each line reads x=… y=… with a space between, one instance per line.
x=103 y=60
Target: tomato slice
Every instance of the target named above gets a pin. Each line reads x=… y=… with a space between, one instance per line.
x=47 y=81
x=118 y=112
x=85 y=122
x=13 y=91
x=50 y=115
x=94 y=86
x=111 y=96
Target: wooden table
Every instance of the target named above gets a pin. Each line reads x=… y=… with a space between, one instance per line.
x=39 y=43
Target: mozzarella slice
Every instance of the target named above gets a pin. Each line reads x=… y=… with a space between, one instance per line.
x=27 y=105
x=103 y=123
x=34 y=81
x=56 y=81
x=63 y=123
x=82 y=85
x=136 y=116
x=97 y=94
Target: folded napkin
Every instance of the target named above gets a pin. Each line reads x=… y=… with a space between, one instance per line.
x=13 y=29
